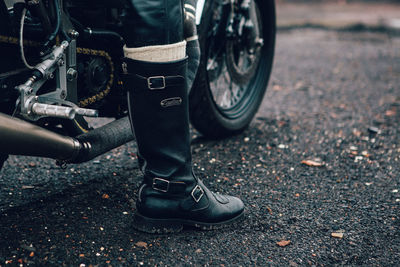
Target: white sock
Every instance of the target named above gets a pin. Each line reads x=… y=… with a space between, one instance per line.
x=157 y=53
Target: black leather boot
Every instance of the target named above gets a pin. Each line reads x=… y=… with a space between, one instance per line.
x=171 y=196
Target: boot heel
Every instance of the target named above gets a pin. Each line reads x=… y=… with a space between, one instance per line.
x=156 y=226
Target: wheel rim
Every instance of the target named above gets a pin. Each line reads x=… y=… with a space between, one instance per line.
x=233 y=71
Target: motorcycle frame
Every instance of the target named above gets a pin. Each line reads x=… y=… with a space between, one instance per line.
x=20 y=137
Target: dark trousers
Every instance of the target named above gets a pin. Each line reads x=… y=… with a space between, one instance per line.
x=153 y=22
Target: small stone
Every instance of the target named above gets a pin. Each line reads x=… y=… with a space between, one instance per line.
x=282 y=146
x=398 y=200
x=358 y=158
x=395 y=190
x=365 y=154
x=368 y=184
x=246 y=139
x=354 y=148
x=373 y=130
x=198 y=250
x=337 y=235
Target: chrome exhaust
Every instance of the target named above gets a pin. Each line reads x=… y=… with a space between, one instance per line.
x=18 y=137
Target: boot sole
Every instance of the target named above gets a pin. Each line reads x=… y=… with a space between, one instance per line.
x=166 y=226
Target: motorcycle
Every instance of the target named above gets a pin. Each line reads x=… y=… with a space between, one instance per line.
x=60 y=71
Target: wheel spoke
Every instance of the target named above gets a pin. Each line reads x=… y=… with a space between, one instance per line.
x=230 y=75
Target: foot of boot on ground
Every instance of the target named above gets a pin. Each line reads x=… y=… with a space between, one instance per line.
x=171 y=196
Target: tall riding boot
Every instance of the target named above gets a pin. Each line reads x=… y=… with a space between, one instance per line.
x=171 y=196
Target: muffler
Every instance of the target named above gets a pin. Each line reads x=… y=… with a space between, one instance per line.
x=18 y=137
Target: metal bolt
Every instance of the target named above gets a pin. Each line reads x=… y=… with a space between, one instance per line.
x=74 y=34
x=60 y=62
x=49 y=76
x=63 y=94
x=72 y=74
x=29 y=91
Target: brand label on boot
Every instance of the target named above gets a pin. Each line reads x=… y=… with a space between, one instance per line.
x=169 y=102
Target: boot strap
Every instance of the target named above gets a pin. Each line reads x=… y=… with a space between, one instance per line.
x=160 y=82
x=166 y=186
x=172 y=187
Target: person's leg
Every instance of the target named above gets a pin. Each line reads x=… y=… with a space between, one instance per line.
x=192 y=41
x=154 y=73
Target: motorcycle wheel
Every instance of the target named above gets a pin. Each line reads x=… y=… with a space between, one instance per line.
x=231 y=81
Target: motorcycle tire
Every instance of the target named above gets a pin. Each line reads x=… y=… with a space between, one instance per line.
x=219 y=73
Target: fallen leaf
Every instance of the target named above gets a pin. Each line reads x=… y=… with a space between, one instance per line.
x=81 y=255
x=390 y=112
x=105 y=196
x=337 y=235
x=141 y=244
x=283 y=243
x=32 y=254
x=32 y=164
x=312 y=163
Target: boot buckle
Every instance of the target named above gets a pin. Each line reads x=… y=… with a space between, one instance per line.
x=197 y=193
x=161 y=185
x=156 y=82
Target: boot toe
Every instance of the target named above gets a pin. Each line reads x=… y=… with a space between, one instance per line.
x=225 y=208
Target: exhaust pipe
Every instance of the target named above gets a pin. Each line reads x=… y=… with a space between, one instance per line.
x=18 y=137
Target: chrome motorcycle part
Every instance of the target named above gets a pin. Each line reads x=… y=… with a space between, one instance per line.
x=46 y=106
x=23 y=138
x=52 y=111
x=52 y=61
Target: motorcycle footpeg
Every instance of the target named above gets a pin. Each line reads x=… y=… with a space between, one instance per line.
x=48 y=110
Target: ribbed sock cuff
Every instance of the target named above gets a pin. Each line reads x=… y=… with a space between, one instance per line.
x=157 y=53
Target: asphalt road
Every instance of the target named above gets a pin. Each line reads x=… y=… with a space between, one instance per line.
x=333 y=103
